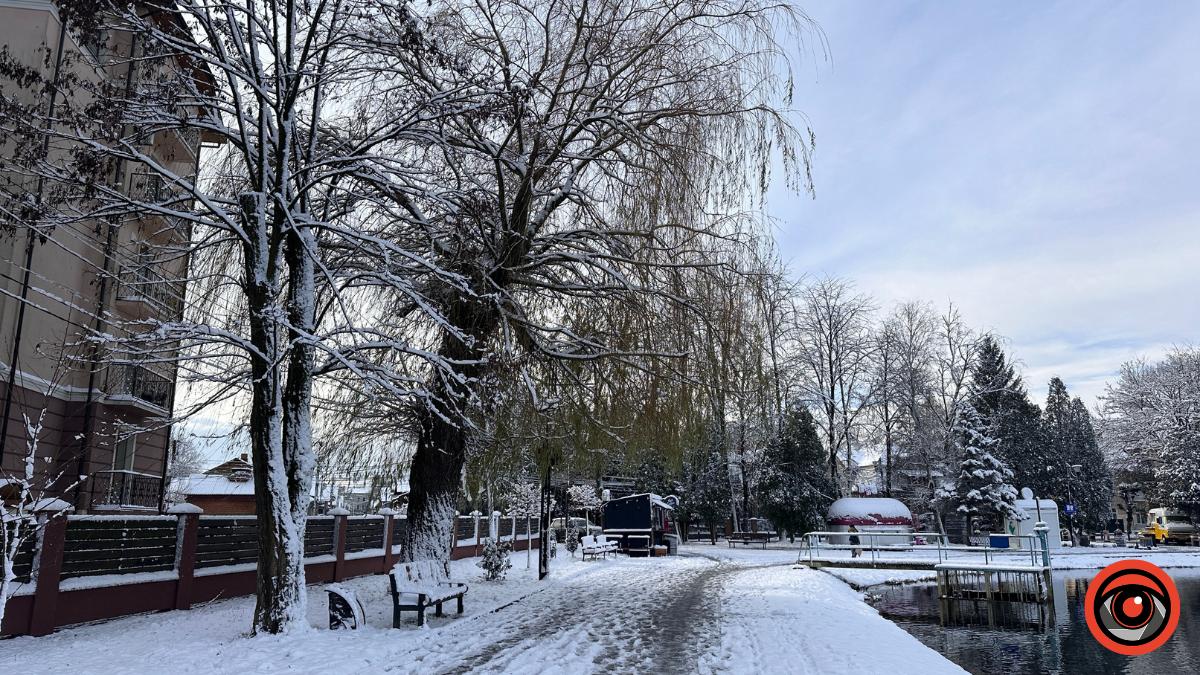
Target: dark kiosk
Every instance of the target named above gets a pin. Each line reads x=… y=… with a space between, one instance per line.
x=639 y=523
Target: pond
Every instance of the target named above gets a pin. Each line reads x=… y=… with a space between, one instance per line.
x=1065 y=647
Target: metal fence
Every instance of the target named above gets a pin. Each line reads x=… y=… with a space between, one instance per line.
x=107 y=545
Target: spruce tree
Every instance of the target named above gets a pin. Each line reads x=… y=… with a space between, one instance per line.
x=1091 y=487
x=984 y=487
x=1070 y=443
x=795 y=489
x=1000 y=397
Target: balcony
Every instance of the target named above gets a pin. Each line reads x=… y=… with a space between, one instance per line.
x=124 y=489
x=142 y=283
x=128 y=379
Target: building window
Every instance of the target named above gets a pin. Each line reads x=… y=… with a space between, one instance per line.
x=96 y=45
x=126 y=448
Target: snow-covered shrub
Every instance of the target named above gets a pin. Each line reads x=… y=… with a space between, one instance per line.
x=495 y=561
x=572 y=540
x=552 y=542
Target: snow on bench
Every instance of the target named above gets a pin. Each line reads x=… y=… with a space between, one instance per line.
x=426 y=579
x=595 y=546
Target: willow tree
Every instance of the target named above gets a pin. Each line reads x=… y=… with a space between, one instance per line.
x=593 y=145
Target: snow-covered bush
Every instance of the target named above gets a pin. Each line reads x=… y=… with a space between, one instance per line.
x=552 y=542
x=572 y=540
x=495 y=561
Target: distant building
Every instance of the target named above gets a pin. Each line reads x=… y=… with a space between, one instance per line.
x=227 y=489
x=1129 y=509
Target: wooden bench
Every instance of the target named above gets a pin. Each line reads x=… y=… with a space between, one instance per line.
x=426 y=580
x=748 y=538
x=598 y=545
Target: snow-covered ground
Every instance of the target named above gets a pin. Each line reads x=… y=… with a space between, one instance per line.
x=710 y=610
x=861 y=578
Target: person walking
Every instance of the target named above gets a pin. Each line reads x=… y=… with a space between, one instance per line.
x=854 y=542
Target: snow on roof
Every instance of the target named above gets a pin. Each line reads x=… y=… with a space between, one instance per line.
x=203 y=484
x=869 y=511
x=654 y=499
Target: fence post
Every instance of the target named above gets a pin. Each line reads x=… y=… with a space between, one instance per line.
x=389 y=523
x=1042 y=530
x=52 y=537
x=475 y=515
x=453 y=535
x=339 y=542
x=185 y=551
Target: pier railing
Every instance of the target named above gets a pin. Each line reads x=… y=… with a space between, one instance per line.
x=878 y=543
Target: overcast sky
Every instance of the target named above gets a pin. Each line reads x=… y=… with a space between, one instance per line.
x=1037 y=163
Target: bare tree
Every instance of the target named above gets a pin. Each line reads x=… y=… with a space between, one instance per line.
x=1150 y=427
x=836 y=355
x=26 y=497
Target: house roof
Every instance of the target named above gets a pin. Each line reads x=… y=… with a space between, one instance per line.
x=207 y=484
x=236 y=466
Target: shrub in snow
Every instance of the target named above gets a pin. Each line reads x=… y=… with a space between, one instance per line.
x=495 y=561
x=572 y=541
x=552 y=542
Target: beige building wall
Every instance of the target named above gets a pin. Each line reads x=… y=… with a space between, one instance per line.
x=128 y=394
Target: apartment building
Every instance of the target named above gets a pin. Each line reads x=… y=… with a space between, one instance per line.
x=105 y=429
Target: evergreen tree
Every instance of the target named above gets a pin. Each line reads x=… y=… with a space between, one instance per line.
x=994 y=382
x=1091 y=487
x=705 y=492
x=795 y=489
x=984 y=486
x=651 y=473
x=1075 y=470
x=1000 y=397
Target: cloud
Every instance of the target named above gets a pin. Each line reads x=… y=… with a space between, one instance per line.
x=1035 y=163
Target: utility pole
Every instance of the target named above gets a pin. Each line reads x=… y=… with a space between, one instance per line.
x=544 y=527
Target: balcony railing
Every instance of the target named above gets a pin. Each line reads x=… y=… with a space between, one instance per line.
x=143 y=283
x=127 y=378
x=118 y=488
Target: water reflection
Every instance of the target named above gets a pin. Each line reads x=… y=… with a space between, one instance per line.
x=1065 y=647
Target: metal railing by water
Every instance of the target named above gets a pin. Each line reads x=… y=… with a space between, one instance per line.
x=1039 y=553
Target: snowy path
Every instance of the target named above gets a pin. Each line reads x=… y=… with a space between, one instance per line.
x=656 y=622
x=710 y=611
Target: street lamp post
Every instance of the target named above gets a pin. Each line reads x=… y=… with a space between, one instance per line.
x=1075 y=470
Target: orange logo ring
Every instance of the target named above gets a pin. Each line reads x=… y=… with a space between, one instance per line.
x=1125 y=587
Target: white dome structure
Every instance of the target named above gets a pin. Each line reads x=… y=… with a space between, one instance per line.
x=871 y=514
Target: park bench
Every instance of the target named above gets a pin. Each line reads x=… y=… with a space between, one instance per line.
x=426 y=580
x=595 y=546
x=748 y=538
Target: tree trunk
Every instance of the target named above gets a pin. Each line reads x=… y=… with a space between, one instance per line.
x=433 y=487
x=280 y=436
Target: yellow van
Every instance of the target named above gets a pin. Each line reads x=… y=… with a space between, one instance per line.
x=1169 y=526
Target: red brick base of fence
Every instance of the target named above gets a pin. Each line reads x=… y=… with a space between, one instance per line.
x=47 y=600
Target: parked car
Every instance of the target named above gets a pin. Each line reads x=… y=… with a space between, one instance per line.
x=559 y=527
